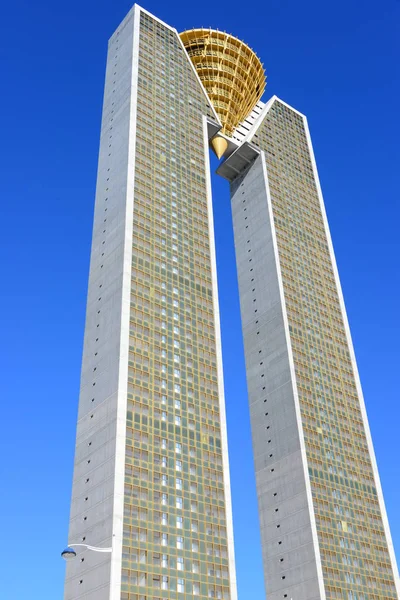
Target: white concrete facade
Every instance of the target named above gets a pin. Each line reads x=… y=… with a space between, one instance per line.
x=97 y=496
x=288 y=543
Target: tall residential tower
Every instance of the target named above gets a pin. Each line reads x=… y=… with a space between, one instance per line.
x=151 y=475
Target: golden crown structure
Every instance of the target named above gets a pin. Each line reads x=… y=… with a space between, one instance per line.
x=232 y=75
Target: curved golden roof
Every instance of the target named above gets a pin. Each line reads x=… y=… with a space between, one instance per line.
x=230 y=71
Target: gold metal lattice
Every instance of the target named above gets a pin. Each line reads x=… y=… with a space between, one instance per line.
x=230 y=71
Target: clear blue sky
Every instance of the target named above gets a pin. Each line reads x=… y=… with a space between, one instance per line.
x=335 y=61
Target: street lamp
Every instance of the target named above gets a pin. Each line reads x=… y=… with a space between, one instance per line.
x=69 y=553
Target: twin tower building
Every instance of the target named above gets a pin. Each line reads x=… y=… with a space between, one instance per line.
x=151 y=476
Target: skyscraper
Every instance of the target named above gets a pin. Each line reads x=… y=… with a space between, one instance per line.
x=324 y=528
x=151 y=475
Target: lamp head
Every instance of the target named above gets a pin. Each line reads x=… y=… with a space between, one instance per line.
x=68 y=554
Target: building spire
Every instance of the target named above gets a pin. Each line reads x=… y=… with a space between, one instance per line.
x=219 y=145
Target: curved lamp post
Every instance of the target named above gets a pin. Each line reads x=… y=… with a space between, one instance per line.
x=69 y=553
